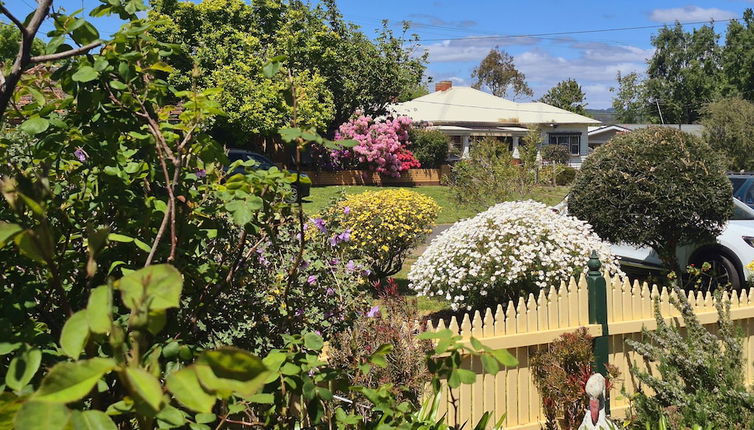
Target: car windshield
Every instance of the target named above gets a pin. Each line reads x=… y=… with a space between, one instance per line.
x=741 y=211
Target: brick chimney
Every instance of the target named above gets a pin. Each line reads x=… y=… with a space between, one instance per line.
x=443 y=85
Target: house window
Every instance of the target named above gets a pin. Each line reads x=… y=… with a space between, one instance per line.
x=571 y=140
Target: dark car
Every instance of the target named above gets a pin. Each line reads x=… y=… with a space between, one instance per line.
x=302 y=188
x=743 y=187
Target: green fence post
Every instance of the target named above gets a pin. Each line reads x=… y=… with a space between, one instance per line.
x=598 y=314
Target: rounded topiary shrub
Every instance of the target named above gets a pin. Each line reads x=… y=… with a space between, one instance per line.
x=510 y=249
x=656 y=187
x=383 y=226
x=565 y=176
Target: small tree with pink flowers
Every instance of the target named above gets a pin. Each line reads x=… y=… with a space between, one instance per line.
x=382 y=146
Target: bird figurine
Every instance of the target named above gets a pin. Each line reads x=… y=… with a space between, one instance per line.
x=595 y=418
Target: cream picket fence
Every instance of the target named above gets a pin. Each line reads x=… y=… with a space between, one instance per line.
x=529 y=325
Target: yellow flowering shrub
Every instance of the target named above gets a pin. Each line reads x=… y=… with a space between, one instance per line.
x=384 y=225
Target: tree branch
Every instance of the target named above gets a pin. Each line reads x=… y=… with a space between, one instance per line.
x=65 y=54
x=15 y=20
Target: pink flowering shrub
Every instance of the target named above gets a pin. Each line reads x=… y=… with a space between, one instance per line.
x=382 y=145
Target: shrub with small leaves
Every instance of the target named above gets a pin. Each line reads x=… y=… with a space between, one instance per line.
x=700 y=371
x=383 y=226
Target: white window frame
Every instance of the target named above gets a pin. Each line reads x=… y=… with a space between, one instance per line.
x=566 y=139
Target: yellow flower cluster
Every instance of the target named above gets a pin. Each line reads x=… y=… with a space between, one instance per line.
x=385 y=225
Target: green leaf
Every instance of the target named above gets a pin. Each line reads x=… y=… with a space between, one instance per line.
x=39 y=415
x=504 y=357
x=243 y=210
x=313 y=341
x=143 y=246
x=8 y=231
x=9 y=405
x=475 y=343
x=92 y=420
x=22 y=369
x=28 y=244
x=170 y=417
x=289 y=134
x=115 y=237
x=271 y=69
x=466 y=376
x=185 y=386
x=118 y=85
x=85 y=74
x=7 y=347
x=75 y=335
x=35 y=125
x=99 y=309
x=68 y=382
x=229 y=370
x=163 y=67
x=159 y=285
x=205 y=418
x=144 y=387
x=490 y=364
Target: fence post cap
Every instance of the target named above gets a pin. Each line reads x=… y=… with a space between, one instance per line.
x=594 y=264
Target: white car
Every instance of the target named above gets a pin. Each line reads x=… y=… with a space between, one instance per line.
x=728 y=255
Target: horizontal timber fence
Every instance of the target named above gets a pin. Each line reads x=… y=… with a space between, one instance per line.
x=531 y=324
x=414 y=177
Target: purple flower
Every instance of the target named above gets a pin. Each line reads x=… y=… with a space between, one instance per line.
x=311 y=280
x=80 y=154
x=329 y=292
x=373 y=312
x=345 y=236
x=318 y=333
x=304 y=264
x=347 y=210
x=299 y=312
x=333 y=240
x=201 y=173
x=350 y=266
x=334 y=262
x=366 y=272
x=320 y=224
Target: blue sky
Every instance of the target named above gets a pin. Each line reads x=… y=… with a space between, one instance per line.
x=458 y=34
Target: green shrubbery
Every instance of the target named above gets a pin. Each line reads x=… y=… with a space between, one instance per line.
x=657 y=187
x=700 y=372
x=430 y=147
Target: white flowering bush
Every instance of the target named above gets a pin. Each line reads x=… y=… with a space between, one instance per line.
x=511 y=248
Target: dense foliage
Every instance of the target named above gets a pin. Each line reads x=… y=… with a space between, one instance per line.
x=556 y=154
x=337 y=68
x=508 y=251
x=566 y=95
x=728 y=127
x=639 y=187
x=489 y=175
x=699 y=375
x=383 y=226
x=560 y=372
x=430 y=147
x=395 y=321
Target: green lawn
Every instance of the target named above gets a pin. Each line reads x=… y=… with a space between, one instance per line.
x=450 y=211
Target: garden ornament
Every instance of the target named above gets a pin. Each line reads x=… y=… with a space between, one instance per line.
x=594 y=418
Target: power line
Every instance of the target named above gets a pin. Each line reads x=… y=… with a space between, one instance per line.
x=493 y=108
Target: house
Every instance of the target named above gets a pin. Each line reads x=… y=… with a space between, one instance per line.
x=468 y=115
x=601 y=134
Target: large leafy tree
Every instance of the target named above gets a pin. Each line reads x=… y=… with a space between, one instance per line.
x=499 y=75
x=337 y=69
x=630 y=103
x=683 y=74
x=728 y=128
x=566 y=95
x=738 y=56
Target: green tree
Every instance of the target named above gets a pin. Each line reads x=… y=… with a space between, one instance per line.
x=9 y=37
x=338 y=69
x=657 y=187
x=630 y=102
x=499 y=74
x=683 y=74
x=738 y=57
x=566 y=95
x=728 y=128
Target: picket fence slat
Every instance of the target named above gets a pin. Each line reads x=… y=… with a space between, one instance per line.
x=530 y=324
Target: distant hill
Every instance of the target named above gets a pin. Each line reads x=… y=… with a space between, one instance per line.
x=606 y=116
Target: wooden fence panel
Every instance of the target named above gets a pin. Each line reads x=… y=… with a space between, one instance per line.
x=533 y=323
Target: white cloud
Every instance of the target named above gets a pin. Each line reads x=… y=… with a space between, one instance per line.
x=472 y=48
x=690 y=13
